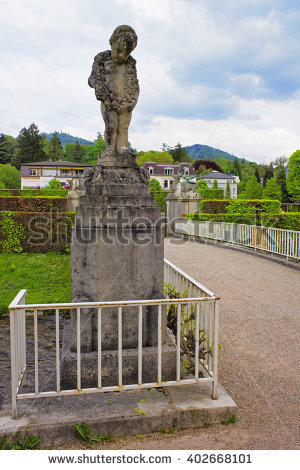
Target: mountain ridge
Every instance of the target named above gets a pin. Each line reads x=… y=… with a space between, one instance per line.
x=205 y=152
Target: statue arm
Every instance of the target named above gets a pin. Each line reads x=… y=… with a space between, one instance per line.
x=97 y=81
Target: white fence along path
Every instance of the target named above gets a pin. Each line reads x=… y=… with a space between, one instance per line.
x=196 y=299
x=273 y=240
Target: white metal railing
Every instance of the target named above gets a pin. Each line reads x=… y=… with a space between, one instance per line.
x=198 y=300
x=273 y=240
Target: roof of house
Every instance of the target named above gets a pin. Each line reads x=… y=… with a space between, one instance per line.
x=216 y=175
x=56 y=163
x=160 y=167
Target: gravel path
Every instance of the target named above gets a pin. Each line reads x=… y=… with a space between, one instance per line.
x=259 y=367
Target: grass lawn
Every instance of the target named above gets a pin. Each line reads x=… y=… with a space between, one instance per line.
x=46 y=276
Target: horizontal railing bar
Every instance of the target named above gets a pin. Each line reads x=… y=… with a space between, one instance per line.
x=189 y=278
x=17 y=299
x=116 y=388
x=117 y=303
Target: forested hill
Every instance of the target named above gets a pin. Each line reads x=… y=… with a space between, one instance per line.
x=67 y=138
x=204 y=152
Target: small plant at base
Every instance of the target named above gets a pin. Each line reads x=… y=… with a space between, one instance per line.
x=86 y=435
x=206 y=424
x=30 y=443
x=230 y=420
x=172 y=430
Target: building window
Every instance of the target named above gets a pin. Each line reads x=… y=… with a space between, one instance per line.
x=168 y=171
x=150 y=170
x=233 y=190
x=166 y=184
x=33 y=172
x=186 y=171
x=79 y=172
x=51 y=172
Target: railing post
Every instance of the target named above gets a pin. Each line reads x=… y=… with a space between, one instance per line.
x=215 y=354
x=13 y=363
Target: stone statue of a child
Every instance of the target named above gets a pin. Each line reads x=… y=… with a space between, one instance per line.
x=116 y=85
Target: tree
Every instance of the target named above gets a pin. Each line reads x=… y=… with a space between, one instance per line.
x=227 y=193
x=55 y=150
x=257 y=175
x=179 y=154
x=152 y=156
x=91 y=152
x=253 y=189
x=202 y=184
x=272 y=190
x=155 y=185
x=10 y=177
x=281 y=181
x=268 y=173
x=53 y=184
x=215 y=185
x=29 y=146
x=293 y=177
x=6 y=149
x=75 y=152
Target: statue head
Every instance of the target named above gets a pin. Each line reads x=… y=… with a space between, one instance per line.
x=123 y=40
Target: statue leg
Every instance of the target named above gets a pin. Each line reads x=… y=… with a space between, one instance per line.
x=122 y=136
x=110 y=119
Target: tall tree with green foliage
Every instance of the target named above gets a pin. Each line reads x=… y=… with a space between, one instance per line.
x=227 y=192
x=281 y=181
x=179 y=154
x=10 y=177
x=6 y=149
x=253 y=189
x=29 y=146
x=293 y=177
x=91 y=152
x=55 y=151
x=268 y=173
x=215 y=185
x=272 y=190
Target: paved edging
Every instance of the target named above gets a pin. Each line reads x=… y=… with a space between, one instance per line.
x=117 y=413
x=248 y=251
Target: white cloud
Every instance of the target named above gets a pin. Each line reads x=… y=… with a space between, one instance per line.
x=224 y=74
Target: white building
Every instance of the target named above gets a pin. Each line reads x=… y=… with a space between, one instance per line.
x=38 y=174
x=222 y=180
x=164 y=173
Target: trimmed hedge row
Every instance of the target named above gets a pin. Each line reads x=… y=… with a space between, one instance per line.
x=212 y=193
x=215 y=206
x=36 y=232
x=33 y=204
x=287 y=221
x=34 y=192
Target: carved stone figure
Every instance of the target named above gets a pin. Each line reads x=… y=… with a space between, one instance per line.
x=116 y=85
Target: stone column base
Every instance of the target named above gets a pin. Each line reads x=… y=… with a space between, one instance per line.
x=109 y=360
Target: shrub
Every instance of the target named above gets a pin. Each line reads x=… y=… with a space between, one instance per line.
x=212 y=193
x=37 y=232
x=213 y=206
x=32 y=204
x=239 y=206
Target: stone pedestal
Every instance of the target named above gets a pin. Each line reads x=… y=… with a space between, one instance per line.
x=179 y=204
x=116 y=254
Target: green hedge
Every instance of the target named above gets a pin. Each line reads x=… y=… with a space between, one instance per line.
x=287 y=221
x=34 y=192
x=212 y=193
x=238 y=206
x=160 y=197
x=35 y=232
x=33 y=204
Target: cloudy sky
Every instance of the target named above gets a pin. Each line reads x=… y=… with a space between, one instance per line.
x=224 y=73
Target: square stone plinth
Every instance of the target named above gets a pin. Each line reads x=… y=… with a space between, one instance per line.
x=110 y=365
